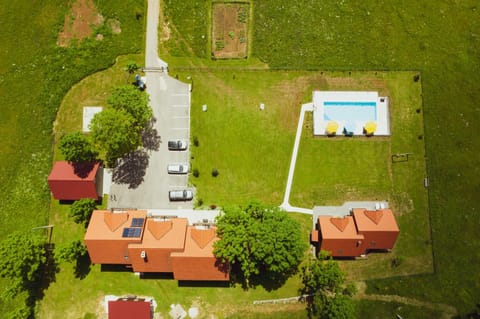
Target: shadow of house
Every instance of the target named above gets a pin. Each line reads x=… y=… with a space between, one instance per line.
x=131 y=169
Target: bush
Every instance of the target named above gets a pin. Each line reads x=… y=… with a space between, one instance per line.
x=195 y=172
x=397 y=261
x=82 y=209
x=215 y=172
x=195 y=141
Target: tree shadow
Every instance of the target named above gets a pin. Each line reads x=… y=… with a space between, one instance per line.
x=131 y=169
x=48 y=275
x=82 y=169
x=268 y=281
x=150 y=138
x=82 y=266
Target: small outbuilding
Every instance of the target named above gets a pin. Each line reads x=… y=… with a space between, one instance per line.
x=74 y=181
x=127 y=309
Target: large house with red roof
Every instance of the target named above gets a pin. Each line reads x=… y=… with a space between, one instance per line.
x=355 y=235
x=154 y=244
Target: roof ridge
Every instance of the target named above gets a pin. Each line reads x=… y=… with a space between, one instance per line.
x=202 y=236
x=114 y=220
x=340 y=222
x=159 y=228
x=374 y=215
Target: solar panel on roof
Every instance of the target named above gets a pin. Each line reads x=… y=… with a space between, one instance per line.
x=137 y=222
x=131 y=232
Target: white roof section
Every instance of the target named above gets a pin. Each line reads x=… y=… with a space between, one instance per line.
x=88 y=114
x=351 y=110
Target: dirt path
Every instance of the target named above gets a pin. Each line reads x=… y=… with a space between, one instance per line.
x=448 y=311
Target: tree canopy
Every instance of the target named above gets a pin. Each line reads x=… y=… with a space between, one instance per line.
x=23 y=255
x=134 y=102
x=81 y=210
x=324 y=281
x=114 y=132
x=77 y=147
x=261 y=243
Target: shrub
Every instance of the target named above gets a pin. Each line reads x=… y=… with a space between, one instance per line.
x=397 y=261
x=195 y=141
x=195 y=172
x=215 y=172
x=82 y=209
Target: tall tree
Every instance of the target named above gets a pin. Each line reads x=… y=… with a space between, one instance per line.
x=77 y=147
x=115 y=133
x=23 y=255
x=325 y=283
x=134 y=102
x=81 y=210
x=262 y=243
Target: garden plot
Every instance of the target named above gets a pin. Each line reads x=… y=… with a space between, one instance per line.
x=230 y=30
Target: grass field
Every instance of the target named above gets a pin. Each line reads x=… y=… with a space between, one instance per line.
x=440 y=40
x=34 y=76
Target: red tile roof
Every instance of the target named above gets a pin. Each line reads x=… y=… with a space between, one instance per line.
x=159 y=228
x=73 y=181
x=114 y=220
x=122 y=309
x=340 y=223
x=202 y=236
x=374 y=215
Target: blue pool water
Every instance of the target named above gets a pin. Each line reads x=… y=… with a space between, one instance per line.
x=350 y=111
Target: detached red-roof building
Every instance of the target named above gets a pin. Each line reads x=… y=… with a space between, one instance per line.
x=128 y=309
x=355 y=235
x=73 y=181
x=154 y=245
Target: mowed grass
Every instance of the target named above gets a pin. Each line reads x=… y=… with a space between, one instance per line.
x=93 y=90
x=440 y=40
x=250 y=148
x=34 y=76
x=330 y=171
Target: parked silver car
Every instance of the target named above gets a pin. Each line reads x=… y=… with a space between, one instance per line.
x=180 y=195
x=180 y=168
x=177 y=145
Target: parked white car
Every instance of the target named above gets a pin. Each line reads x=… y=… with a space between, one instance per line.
x=179 y=195
x=179 y=168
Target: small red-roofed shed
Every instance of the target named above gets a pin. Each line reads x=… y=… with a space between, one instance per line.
x=127 y=309
x=339 y=236
x=378 y=226
x=74 y=181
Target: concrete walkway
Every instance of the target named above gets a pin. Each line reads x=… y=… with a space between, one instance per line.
x=286 y=205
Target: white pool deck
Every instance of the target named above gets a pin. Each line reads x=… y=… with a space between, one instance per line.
x=356 y=126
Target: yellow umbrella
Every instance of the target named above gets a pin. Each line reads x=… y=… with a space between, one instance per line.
x=332 y=127
x=370 y=127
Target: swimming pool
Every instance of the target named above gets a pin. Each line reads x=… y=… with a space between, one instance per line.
x=349 y=111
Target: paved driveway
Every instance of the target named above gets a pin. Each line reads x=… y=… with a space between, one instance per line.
x=141 y=180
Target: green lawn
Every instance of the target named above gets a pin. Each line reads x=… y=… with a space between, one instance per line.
x=440 y=40
x=34 y=76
